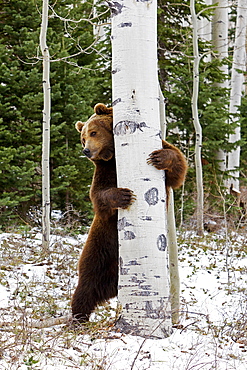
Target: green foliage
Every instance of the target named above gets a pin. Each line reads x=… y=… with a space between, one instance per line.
x=75 y=88
x=176 y=79
x=176 y=64
x=81 y=77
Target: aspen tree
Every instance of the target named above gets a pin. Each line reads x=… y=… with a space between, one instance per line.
x=196 y=122
x=143 y=278
x=46 y=129
x=171 y=231
x=237 y=88
x=220 y=45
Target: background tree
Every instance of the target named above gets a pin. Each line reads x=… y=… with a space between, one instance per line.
x=196 y=122
x=46 y=206
x=75 y=88
x=237 y=89
x=80 y=82
x=175 y=62
x=219 y=37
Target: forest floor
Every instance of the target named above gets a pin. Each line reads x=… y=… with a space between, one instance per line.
x=213 y=330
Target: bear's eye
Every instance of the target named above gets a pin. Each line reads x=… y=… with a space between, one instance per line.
x=93 y=133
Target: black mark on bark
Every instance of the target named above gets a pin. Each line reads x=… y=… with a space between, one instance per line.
x=122 y=127
x=135 y=280
x=162 y=242
x=114 y=71
x=160 y=135
x=155 y=313
x=146 y=218
x=116 y=8
x=141 y=125
x=122 y=223
x=146 y=287
x=127 y=24
x=151 y=196
x=129 y=235
x=118 y=100
x=145 y=293
x=123 y=271
x=133 y=263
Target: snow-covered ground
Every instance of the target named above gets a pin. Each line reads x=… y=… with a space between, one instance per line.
x=33 y=286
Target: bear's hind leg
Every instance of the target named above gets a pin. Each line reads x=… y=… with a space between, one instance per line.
x=94 y=289
x=83 y=303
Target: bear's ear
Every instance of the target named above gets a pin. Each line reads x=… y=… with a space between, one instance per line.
x=79 y=126
x=102 y=109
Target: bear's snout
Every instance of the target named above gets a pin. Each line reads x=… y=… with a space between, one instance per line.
x=87 y=152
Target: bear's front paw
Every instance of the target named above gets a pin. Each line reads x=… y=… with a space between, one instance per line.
x=159 y=159
x=126 y=198
x=121 y=198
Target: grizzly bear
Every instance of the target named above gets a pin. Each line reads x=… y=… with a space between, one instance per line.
x=98 y=263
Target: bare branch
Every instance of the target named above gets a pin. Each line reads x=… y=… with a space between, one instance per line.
x=89 y=20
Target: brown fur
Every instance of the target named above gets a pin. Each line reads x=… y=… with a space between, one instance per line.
x=98 y=263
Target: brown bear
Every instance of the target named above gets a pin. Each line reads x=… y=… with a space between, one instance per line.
x=98 y=263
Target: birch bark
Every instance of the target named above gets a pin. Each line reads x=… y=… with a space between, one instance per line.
x=237 y=88
x=196 y=122
x=46 y=130
x=143 y=277
x=220 y=44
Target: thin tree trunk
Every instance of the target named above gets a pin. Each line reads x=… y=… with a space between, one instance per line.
x=173 y=260
x=143 y=281
x=205 y=28
x=195 y=117
x=220 y=45
x=171 y=230
x=237 y=88
x=46 y=130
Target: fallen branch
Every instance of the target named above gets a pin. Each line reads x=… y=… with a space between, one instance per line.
x=39 y=324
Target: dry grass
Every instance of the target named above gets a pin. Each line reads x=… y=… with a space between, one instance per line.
x=40 y=287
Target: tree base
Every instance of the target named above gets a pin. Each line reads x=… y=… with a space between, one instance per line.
x=158 y=330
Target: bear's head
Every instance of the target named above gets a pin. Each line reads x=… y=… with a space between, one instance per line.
x=96 y=134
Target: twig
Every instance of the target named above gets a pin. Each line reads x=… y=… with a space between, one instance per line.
x=41 y=324
x=142 y=344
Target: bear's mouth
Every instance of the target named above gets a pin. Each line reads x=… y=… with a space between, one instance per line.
x=106 y=155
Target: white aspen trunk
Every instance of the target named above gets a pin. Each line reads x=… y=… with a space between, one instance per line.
x=46 y=130
x=173 y=260
x=143 y=276
x=171 y=231
x=237 y=88
x=98 y=29
x=205 y=28
x=220 y=44
x=195 y=117
x=162 y=110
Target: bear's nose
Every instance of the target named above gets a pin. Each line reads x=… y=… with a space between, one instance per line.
x=86 y=151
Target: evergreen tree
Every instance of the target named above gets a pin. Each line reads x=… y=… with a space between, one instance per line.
x=175 y=63
x=75 y=89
